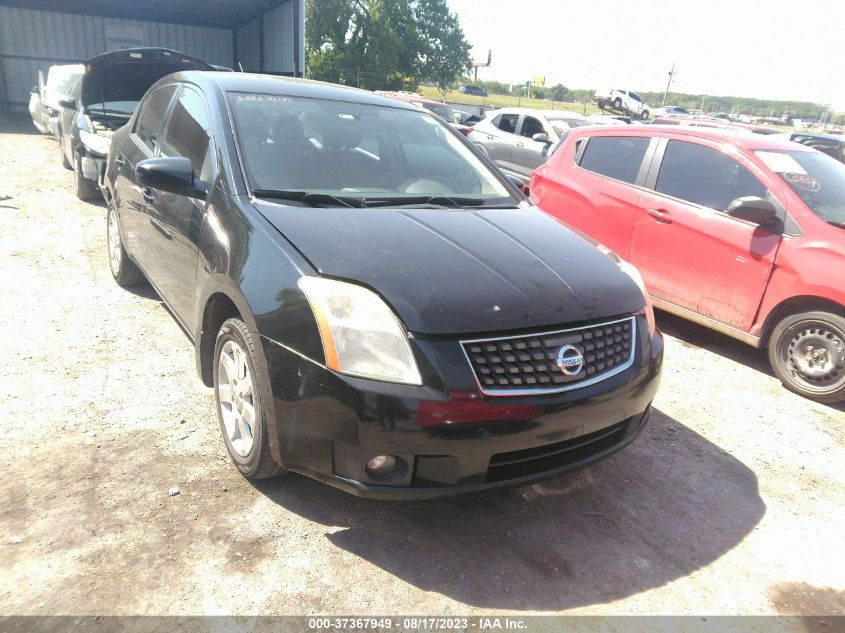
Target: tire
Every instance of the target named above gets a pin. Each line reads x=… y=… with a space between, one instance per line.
x=617 y=103
x=248 y=445
x=65 y=162
x=807 y=354
x=82 y=190
x=644 y=115
x=123 y=269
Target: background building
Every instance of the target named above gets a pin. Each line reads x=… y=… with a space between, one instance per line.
x=256 y=35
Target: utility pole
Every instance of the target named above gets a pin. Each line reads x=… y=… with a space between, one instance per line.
x=669 y=83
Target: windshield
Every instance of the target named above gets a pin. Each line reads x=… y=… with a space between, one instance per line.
x=61 y=80
x=562 y=125
x=818 y=179
x=356 y=151
x=443 y=111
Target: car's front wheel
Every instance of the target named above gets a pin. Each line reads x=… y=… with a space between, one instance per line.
x=123 y=269
x=240 y=403
x=65 y=162
x=83 y=191
x=644 y=115
x=807 y=354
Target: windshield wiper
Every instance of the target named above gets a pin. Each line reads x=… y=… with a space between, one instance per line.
x=439 y=200
x=308 y=197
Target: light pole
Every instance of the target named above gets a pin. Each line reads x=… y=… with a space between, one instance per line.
x=669 y=83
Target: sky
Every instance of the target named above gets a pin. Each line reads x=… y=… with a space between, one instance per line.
x=767 y=49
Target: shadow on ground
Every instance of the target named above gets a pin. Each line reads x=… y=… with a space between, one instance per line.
x=666 y=506
x=693 y=334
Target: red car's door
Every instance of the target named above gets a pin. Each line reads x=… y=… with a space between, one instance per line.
x=690 y=252
x=592 y=185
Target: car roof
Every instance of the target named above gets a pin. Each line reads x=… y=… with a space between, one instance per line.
x=549 y=114
x=741 y=139
x=827 y=137
x=288 y=87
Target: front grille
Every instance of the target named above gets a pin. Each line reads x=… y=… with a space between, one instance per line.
x=534 y=461
x=528 y=364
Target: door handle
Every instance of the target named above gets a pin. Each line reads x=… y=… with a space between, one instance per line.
x=661 y=215
x=520 y=144
x=490 y=137
x=148 y=195
x=118 y=160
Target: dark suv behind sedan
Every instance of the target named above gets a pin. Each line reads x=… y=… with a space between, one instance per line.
x=374 y=304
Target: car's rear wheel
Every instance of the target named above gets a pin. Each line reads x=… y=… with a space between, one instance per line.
x=65 y=162
x=617 y=103
x=807 y=354
x=83 y=192
x=123 y=269
x=240 y=403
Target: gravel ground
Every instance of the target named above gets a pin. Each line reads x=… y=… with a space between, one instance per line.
x=732 y=501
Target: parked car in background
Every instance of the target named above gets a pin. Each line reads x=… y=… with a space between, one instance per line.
x=438 y=107
x=714 y=123
x=374 y=305
x=609 y=119
x=44 y=100
x=518 y=140
x=472 y=90
x=670 y=111
x=625 y=101
x=103 y=99
x=831 y=145
x=740 y=232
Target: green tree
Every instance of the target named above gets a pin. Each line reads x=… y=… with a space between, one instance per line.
x=384 y=43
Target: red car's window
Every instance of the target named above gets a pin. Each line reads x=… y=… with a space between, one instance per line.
x=616 y=157
x=705 y=176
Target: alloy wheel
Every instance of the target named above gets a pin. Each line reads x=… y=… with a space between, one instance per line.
x=235 y=389
x=114 y=243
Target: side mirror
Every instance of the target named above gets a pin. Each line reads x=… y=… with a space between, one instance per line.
x=516 y=182
x=68 y=102
x=34 y=90
x=754 y=209
x=541 y=137
x=175 y=175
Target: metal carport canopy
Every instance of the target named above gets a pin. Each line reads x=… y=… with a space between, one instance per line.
x=226 y=14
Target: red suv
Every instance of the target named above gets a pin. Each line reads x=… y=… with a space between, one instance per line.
x=740 y=232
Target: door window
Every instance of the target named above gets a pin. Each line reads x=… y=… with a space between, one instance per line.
x=188 y=133
x=152 y=117
x=507 y=123
x=705 y=176
x=531 y=126
x=616 y=157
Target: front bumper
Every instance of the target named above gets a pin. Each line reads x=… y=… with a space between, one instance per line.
x=447 y=441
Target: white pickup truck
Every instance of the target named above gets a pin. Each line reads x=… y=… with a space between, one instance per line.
x=625 y=102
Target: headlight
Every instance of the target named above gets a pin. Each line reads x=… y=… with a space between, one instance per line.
x=631 y=270
x=361 y=335
x=96 y=143
x=633 y=273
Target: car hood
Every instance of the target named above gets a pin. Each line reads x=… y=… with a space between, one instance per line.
x=126 y=75
x=462 y=271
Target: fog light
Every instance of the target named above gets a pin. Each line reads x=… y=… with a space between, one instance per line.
x=381 y=465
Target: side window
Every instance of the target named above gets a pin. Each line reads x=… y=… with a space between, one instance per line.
x=635 y=96
x=531 y=126
x=149 y=123
x=507 y=123
x=188 y=133
x=616 y=157
x=705 y=176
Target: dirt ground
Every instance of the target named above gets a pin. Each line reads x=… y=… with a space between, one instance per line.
x=732 y=501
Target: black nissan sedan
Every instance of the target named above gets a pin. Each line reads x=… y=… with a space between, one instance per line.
x=375 y=305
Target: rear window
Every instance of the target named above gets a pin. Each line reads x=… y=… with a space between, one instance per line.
x=617 y=157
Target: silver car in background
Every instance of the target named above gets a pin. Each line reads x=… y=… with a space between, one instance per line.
x=44 y=99
x=518 y=140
